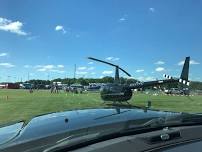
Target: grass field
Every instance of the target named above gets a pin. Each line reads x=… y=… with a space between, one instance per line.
x=20 y=104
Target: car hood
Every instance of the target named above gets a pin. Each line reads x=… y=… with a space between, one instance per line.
x=60 y=124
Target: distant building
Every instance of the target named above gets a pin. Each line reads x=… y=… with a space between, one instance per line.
x=9 y=86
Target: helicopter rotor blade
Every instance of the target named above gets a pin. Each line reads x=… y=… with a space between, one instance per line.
x=110 y=64
x=125 y=72
x=102 y=61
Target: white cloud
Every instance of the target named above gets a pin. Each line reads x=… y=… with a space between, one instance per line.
x=151 y=9
x=123 y=18
x=112 y=58
x=81 y=72
x=91 y=68
x=116 y=59
x=160 y=62
x=149 y=78
x=57 y=71
x=192 y=62
x=109 y=58
x=159 y=69
x=60 y=28
x=10 y=26
x=27 y=66
x=146 y=78
x=42 y=69
x=140 y=70
x=3 y=54
x=50 y=68
x=90 y=62
x=7 y=65
x=38 y=66
x=32 y=37
x=107 y=72
x=92 y=73
x=82 y=68
x=60 y=66
x=181 y=63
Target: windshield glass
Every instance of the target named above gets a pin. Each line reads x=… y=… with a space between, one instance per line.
x=64 y=55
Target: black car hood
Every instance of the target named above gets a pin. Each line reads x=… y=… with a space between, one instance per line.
x=61 y=123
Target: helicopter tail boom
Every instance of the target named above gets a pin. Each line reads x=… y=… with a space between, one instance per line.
x=184 y=78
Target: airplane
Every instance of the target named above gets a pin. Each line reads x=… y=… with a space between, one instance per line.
x=117 y=92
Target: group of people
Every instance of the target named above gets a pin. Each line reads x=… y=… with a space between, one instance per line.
x=54 y=88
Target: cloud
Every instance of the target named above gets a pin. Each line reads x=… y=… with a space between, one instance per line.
x=27 y=66
x=192 y=62
x=123 y=18
x=140 y=70
x=149 y=78
x=91 y=68
x=151 y=9
x=107 y=72
x=60 y=28
x=92 y=73
x=7 y=65
x=116 y=59
x=81 y=72
x=159 y=69
x=60 y=66
x=109 y=58
x=50 y=68
x=160 y=62
x=57 y=71
x=82 y=68
x=42 y=69
x=3 y=54
x=112 y=58
x=90 y=62
x=10 y=26
x=32 y=38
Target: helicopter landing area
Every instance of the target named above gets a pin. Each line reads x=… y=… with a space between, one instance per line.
x=22 y=105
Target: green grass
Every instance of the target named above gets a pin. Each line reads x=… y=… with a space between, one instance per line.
x=23 y=105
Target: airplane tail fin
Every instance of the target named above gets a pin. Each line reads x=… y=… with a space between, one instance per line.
x=184 y=78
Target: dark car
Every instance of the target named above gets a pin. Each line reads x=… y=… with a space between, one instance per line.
x=72 y=130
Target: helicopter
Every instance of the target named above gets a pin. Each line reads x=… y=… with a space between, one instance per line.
x=117 y=92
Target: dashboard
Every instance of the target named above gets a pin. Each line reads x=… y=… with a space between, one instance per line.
x=176 y=139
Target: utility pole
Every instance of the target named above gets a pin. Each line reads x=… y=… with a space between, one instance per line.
x=28 y=77
x=74 y=72
x=48 y=76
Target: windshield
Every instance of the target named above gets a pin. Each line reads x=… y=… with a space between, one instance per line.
x=57 y=56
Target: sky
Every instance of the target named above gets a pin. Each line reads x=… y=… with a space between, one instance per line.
x=147 y=38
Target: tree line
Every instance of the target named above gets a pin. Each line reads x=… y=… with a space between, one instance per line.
x=82 y=81
x=86 y=81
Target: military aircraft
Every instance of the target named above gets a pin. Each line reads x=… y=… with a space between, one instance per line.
x=118 y=92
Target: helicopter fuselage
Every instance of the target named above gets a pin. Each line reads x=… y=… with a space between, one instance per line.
x=116 y=92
